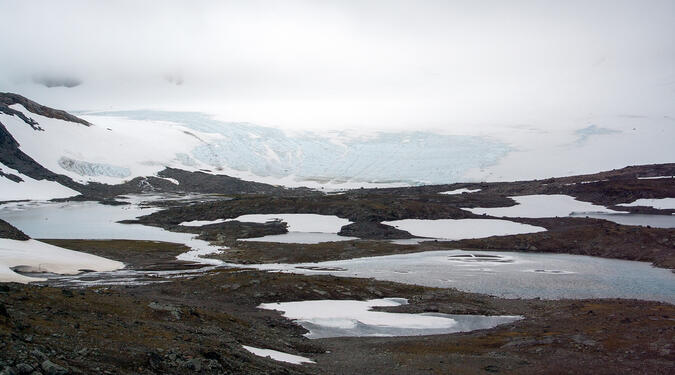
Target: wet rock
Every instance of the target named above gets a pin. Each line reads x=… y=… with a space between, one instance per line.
x=51 y=368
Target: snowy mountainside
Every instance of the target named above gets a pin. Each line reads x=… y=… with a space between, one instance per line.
x=44 y=157
x=122 y=152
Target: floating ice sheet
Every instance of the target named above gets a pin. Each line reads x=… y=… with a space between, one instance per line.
x=457 y=229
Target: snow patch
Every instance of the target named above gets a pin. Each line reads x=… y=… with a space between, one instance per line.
x=654 y=178
x=30 y=188
x=460 y=191
x=36 y=256
x=338 y=318
x=278 y=356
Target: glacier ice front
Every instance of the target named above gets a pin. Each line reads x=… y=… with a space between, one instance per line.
x=402 y=157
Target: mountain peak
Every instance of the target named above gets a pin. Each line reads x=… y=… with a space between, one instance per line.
x=7 y=99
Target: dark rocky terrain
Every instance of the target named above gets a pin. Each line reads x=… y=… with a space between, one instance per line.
x=197 y=322
x=367 y=208
x=10 y=232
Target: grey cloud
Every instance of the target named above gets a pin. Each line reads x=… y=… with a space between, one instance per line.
x=352 y=63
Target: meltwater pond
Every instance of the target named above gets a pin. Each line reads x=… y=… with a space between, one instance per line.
x=507 y=274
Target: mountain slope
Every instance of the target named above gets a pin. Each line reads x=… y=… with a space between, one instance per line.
x=59 y=155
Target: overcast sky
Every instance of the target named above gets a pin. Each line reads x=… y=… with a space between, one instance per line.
x=318 y=64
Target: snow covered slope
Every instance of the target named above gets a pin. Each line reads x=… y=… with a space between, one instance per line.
x=112 y=150
x=17 y=186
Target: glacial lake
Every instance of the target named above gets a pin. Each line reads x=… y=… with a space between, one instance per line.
x=506 y=274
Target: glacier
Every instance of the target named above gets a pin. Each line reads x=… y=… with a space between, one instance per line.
x=410 y=157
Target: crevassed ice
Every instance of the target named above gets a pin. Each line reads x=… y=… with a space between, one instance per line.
x=424 y=158
x=85 y=168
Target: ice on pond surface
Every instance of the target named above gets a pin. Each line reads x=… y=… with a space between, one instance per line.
x=339 y=318
x=460 y=191
x=278 y=356
x=507 y=274
x=534 y=206
x=302 y=228
x=660 y=203
x=457 y=229
x=91 y=220
x=301 y=237
x=300 y=222
x=655 y=221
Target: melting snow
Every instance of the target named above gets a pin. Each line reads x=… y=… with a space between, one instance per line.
x=278 y=356
x=36 y=256
x=337 y=318
x=460 y=191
